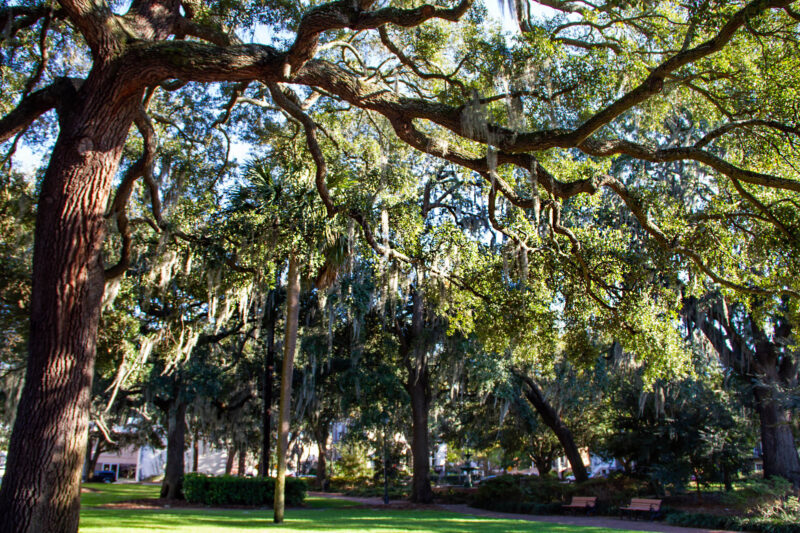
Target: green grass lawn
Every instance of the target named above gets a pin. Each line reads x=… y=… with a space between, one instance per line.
x=320 y=514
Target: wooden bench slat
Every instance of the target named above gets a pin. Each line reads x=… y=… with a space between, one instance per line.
x=582 y=502
x=643 y=504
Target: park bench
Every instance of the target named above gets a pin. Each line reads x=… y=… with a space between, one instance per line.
x=643 y=505
x=587 y=503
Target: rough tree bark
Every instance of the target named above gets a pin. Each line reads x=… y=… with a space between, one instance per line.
x=40 y=490
x=172 y=486
x=551 y=418
x=290 y=342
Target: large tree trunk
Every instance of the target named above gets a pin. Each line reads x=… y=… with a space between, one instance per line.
x=172 y=486
x=268 y=379
x=551 y=418
x=284 y=408
x=41 y=487
x=418 y=387
x=777 y=441
x=421 y=491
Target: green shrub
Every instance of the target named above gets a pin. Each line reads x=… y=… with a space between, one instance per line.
x=511 y=489
x=230 y=490
x=735 y=523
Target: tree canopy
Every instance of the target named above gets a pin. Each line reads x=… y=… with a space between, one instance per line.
x=575 y=184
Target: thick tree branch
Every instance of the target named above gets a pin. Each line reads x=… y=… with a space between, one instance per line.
x=36 y=104
x=349 y=14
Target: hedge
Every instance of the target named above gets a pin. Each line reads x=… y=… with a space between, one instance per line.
x=230 y=490
x=735 y=523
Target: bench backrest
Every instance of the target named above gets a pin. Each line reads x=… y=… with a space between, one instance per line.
x=644 y=503
x=584 y=500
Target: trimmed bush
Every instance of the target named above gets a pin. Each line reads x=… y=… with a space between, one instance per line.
x=512 y=489
x=230 y=490
x=735 y=523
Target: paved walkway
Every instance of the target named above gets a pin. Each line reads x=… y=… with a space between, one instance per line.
x=595 y=521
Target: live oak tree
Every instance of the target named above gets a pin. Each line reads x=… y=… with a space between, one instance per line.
x=588 y=90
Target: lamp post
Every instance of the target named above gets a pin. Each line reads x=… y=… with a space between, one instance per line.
x=385 y=420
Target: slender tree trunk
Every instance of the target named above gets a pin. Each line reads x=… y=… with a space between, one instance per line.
x=292 y=315
x=551 y=418
x=777 y=440
x=321 y=436
x=98 y=449
x=41 y=487
x=242 y=461
x=172 y=486
x=268 y=380
x=92 y=454
x=195 y=451
x=229 y=460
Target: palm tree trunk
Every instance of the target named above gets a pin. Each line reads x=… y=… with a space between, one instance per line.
x=292 y=315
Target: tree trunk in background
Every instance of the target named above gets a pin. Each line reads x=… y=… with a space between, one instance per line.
x=543 y=464
x=195 y=452
x=268 y=382
x=229 y=460
x=551 y=418
x=171 y=487
x=41 y=486
x=777 y=441
x=98 y=449
x=242 y=466
x=418 y=387
x=321 y=436
x=87 y=460
x=284 y=409
x=421 y=491
x=761 y=362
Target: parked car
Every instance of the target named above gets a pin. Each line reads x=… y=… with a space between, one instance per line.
x=104 y=476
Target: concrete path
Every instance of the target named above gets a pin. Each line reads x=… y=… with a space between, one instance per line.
x=594 y=521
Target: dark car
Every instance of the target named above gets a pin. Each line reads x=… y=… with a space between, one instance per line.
x=104 y=476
